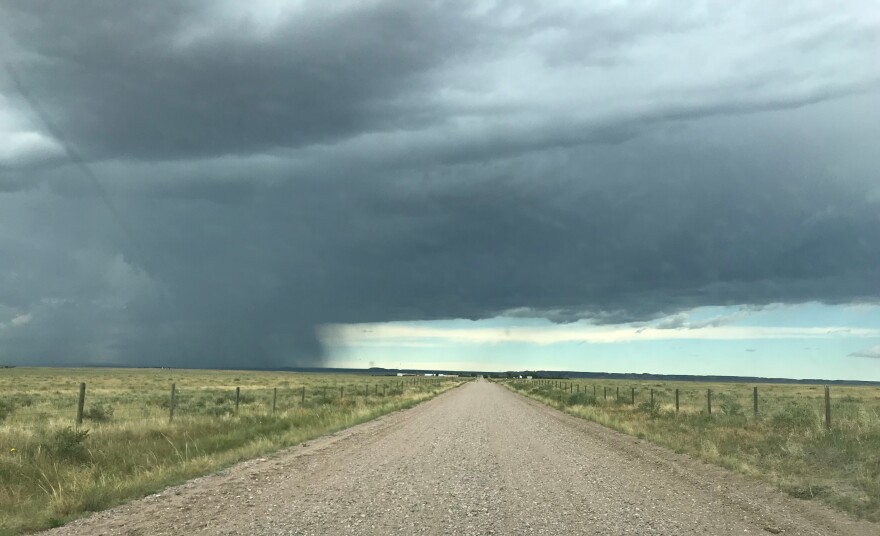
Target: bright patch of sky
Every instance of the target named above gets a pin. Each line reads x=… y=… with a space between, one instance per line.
x=809 y=340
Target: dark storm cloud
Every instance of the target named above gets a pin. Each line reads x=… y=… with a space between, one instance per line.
x=399 y=161
x=141 y=81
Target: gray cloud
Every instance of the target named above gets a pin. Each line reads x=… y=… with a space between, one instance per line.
x=873 y=353
x=161 y=81
x=394 y=161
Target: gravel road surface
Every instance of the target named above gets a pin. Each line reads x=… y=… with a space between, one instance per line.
x=476 y=460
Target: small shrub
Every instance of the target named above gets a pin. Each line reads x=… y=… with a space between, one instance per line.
x=580 y=399
x=6 y=407
x=99 y=413
x=729 y=405
x=651 y=408
x=795 y=417
x=68 y=444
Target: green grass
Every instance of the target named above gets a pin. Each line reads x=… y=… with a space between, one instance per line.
x=787 y=444
x=52 y=472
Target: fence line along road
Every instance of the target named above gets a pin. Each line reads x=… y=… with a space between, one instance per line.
x=476 y=460
x=728 y=401
x=180 y=401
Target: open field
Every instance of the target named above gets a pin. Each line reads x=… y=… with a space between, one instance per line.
x=480 y=459
x=127 y=445
x=787 y=444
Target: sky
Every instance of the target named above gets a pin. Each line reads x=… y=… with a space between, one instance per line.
x=605 y=186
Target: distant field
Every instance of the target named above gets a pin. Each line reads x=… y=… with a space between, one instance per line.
x=787 y=444
x=127 y=446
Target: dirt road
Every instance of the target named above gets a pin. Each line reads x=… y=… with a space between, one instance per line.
x=476 y=460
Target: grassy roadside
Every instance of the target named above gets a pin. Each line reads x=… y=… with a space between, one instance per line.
x=786 y=445
x=51 y=472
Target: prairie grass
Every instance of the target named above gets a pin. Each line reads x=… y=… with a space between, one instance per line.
x=52 y=471
x=787 y=443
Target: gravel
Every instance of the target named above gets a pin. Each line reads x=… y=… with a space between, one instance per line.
x=476 y=460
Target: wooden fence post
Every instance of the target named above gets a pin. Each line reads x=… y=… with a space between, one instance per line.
x=594 y=391
x=676 y=401
x=173 y=402
x=652 y=397
x=709 y=400
x=237 y=398
x=617 y=396
x=274 y=398
x=633 y=394
x=827 y=407
x=755 y=400
x=80 y=404
x=302 y=397
x=342 y=391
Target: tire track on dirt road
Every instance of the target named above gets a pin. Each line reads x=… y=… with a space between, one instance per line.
x=479 y=459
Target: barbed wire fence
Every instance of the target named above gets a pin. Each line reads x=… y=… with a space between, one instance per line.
x=826 y=403
x=181 y=401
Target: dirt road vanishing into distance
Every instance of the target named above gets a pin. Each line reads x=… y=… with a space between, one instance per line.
x=476 y=460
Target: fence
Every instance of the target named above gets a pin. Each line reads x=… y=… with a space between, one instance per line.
x=735 y=399
x=180 y=400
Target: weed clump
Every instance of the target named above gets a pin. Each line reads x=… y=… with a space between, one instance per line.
x=651 y=408
x=67 y=444
x=795 y=417
x=99 y=413
x=6 y=407
x=580 y=399
x=729 y=405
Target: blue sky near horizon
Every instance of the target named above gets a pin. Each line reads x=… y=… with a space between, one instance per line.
x=810 y=340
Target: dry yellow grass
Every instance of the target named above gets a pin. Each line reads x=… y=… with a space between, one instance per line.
x=50 y=471
x=786 y=444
